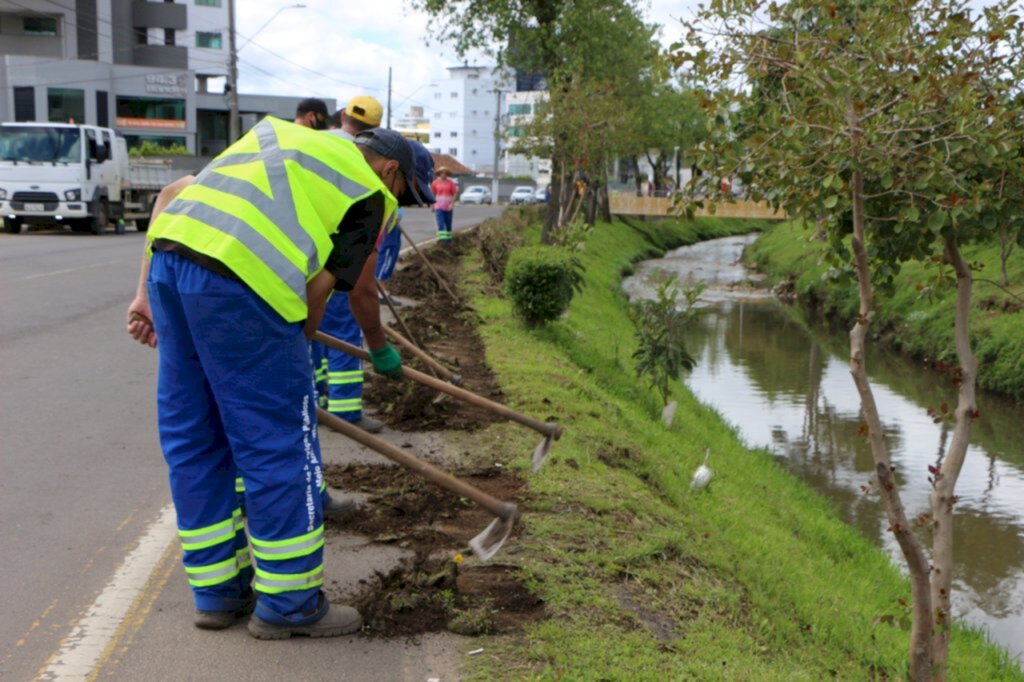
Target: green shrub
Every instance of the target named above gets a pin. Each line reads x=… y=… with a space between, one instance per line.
x=541 y=281
x=151 y=148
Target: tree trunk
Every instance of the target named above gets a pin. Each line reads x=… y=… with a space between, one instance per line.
x=636 y=176
x=605 y=205
x=1005 y=248
x=917 y=562
x=943 y=497
x=590 y=215
x=554 y=202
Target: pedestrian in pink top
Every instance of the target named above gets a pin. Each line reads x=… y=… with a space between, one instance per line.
x=444 y=189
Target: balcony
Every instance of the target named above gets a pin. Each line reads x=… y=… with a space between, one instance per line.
x=161 y=56
x=159 y=15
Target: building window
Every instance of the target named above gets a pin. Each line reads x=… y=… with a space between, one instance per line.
x=102 y=108
x=39 y=26
x=474 y=91
x=519 y=109
x=455 y=95
x=437 y=95
x=437 y=134
x=169 y=36
x=454 y=134
x=210 y=40
x=208 y=3
x=25 y=103
x=66 y=105
x=453 y=151
x=150 y=112
x=436 y=150
x=451 y=114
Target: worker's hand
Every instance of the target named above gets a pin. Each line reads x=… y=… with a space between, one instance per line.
x=140 y=322
x=387 y=361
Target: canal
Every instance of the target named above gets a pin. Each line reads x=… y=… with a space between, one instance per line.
x=784 y=383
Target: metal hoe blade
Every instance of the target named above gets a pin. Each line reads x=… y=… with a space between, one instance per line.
x=541 y=453
x=487 y=543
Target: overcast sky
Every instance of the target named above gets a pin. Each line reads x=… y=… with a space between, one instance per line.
x=340 y=49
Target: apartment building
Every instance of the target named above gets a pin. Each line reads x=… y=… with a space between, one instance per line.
x=518 y=110
x=144 y=68
x=462 y=110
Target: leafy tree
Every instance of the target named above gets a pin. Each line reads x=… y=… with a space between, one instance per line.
x=888 y=121
x=660 y=325
x=590 y=52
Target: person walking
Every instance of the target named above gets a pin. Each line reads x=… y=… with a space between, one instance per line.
x=444 y=190
x=239 y=264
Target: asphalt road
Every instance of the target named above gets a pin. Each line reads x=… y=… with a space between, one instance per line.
x=84 y=505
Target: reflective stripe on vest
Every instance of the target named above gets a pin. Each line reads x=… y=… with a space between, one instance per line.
x=274 y=583
x=267 y=206
x=276 y=550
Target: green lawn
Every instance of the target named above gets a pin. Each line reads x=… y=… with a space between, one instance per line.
x=756 y=578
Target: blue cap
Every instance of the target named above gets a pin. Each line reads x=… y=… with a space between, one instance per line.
x=424 y=171
x=391 y=145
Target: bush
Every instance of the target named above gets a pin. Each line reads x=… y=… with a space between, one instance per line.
x=498 y=238
x=541 y=281
x=151 y=148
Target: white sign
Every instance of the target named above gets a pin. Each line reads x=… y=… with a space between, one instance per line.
x=165 y=83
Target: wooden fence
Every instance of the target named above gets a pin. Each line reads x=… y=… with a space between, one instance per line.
x=622 y=203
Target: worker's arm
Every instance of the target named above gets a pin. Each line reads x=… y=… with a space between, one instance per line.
x=140 y=316
x=365 y=305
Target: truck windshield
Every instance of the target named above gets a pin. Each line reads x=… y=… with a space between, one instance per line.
x=39 y=144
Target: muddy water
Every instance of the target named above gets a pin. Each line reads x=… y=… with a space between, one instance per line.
x=785 y=385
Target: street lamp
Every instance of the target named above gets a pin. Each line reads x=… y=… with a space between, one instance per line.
x=234 y=125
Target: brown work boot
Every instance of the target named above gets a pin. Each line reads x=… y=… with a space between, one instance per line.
x=338 y=621
x=219 y=620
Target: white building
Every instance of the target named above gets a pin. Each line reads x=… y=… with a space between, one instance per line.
x=518 y=110
x=462 y=112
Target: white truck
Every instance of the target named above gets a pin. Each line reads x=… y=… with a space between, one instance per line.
x=79 y=175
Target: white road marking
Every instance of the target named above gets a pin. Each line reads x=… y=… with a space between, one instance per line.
x=81 y=650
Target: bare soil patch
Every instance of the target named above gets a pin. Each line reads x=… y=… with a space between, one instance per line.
x=430 y=592
x=447 y=329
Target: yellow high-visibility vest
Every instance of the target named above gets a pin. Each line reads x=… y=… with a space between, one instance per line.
x=268 y=205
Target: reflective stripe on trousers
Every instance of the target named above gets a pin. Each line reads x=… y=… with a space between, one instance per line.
x=345 y=373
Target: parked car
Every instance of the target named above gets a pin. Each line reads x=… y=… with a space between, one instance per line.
x=521 y=195
x=541 y=195
x=476 y=194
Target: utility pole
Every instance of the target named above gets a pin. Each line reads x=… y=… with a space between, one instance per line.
x=389 y=97
x=234 y=125
x=497 y=144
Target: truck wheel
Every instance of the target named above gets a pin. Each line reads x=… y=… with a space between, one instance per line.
x=12 y=226
x=98 y=222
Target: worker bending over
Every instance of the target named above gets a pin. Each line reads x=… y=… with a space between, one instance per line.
x=241 y=261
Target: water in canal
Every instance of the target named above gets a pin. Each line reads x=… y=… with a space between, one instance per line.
x=786 y=387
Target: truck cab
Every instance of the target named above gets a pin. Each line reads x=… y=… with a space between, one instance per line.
x=61 y=173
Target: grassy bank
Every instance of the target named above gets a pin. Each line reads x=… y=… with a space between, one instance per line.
x=917 y=324
x=755 y=579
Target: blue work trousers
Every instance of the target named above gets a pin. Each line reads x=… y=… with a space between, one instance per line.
x=444 y=225
x=344 y=372
x=235 y=394
x=387 y=254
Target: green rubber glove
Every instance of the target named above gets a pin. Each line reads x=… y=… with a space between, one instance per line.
x=387 y=361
